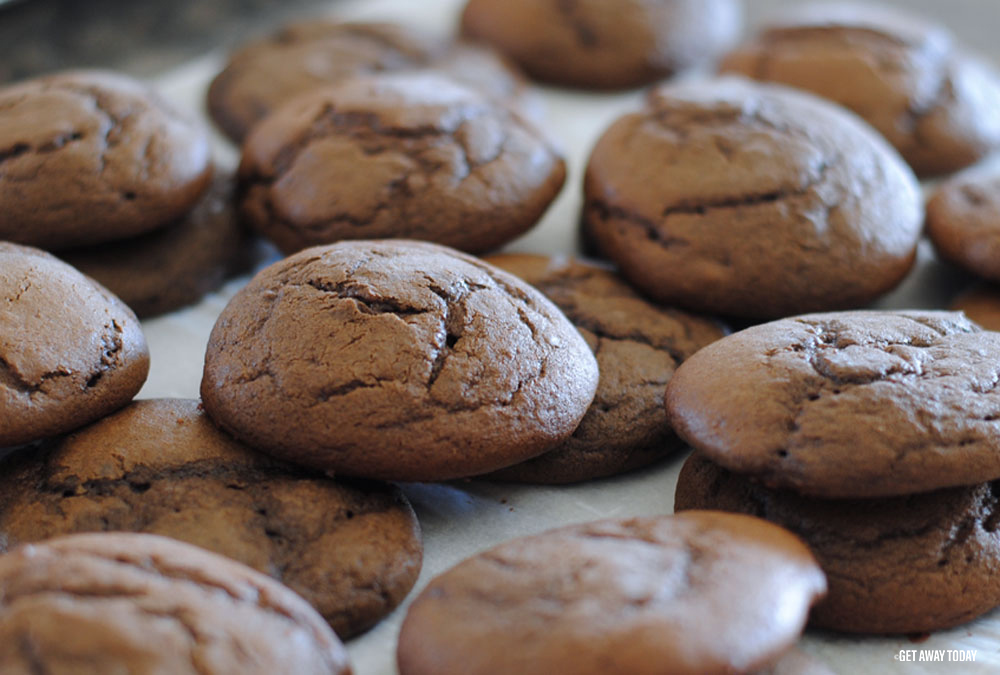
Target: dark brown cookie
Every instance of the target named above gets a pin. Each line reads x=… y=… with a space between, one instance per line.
x=138 y=603
x=605 y=45
x=398 y=360
x=305 y=56
x=902 y=74
x=851 y=404
x=963 y=221
x=352 y=550
x=406 y=155
x=698 y=593
x=909 y=564
x=638 y=345
x=70 y=352
x=92 y=156
x=176 y=265
x=981 y=303
x=752 y=200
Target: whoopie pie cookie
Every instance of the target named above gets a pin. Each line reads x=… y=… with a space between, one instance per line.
x=700 y=592
x=352 y=549
x=963 y=221
x=70 y=352
x=175 y=265
x=140 y=603
x=93 y=156
x=638 y=345
x=397 y=360
x=908 y=564
x=732 y=197
x=406 y=155
x=605 y=44
x=847 y=405
x=938 y=106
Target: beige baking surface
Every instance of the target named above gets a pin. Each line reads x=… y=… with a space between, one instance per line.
x=463 y=518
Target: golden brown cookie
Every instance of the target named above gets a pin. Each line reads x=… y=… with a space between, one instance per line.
x=638 y=345
x=397 y=360
x=697 y=593
x=138 y=603
x=732 y=197
x=963 y=221
x=70 y=352
x=352 y=549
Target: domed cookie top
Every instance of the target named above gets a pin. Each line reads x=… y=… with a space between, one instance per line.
x=963 y=221
x=161 y=467
x=852 y=404
x=138 y=603
x=403 y=155
x=70 y=352
x=753 y=200
x=398 y=360
x=304 y=56
x=937 y=106
x=696 y=593
x=637 y=345
x=92 y=156
x=605 y=44
x=908 y=564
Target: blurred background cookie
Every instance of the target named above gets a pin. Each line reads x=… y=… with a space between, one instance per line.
x=963 y=221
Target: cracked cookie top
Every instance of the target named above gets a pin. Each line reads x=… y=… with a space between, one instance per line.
x=140 y=603
x=638 y=345
x=92 y=156
x=605 y=45
x=902 y=74
x=350 y=548
x=963 y=221
x=412 y=155
x=907 y=564
x=398 y=360
x=852 y=404
x=70 y=352
x=705 y=593
x=752 y=200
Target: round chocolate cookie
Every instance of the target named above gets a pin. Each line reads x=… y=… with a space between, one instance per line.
x=851 y=404
x=305 y=56
x=92 y=156
x=936 y=105
x=752 y=200
x=601 y=44
x=912 y=564
x=698 y=593
x=963 y=221
x=638 y=345
x=981 y=303
x=398 y=360
x=397 y=156
x=70 y=352
x=352 y=550
x=138 y=603
x=176 y=265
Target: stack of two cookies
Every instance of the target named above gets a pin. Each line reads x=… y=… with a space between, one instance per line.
x=870 y=435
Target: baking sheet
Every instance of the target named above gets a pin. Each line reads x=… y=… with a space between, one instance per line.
x=462 y=518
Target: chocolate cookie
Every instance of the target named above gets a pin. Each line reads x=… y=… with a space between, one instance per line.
x=605 y=45
x=92 y=156
x=138 y=603
x=909 y=564
x=306 y=56
x=981 y=303
x=851 y=404
x=176 y=265
x=963 y=221
x=695 y=593
x=70 y=352
x=397 y=156
x=902 y=74
x=752 y=200
x=398 y=360
x=352 y=550
x=638 y=346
